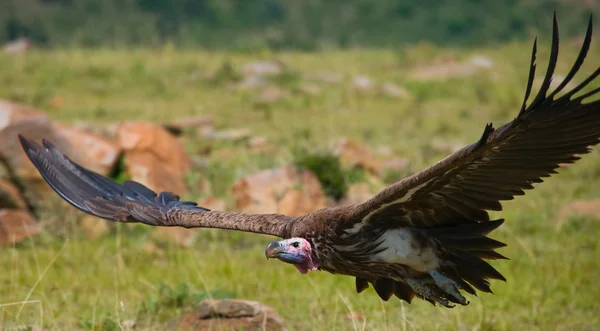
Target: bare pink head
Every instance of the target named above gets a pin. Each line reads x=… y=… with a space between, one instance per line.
x=296 y=251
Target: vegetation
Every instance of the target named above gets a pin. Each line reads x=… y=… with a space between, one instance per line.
x=69 y=283
x=277 y=24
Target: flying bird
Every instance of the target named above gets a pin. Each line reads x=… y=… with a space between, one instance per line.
x=424 y=236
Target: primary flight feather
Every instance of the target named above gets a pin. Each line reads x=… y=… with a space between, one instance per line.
x=424 y=236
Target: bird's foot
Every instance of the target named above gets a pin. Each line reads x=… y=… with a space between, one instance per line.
x=448 y=286
x=437 y=288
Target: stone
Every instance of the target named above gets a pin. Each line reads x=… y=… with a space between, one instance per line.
x=212 y=203
x=259 y=144
x=179 y=236
x=263 y=68
x=10 y=196
x=19 y=119
x=357 y=193
x=353 y=154
x=362 y=83
x=17 y=46
x=229 y=134
x=94 y=227
x=286 y=190
x=394 y=91
x=396 y=164
x=230 y=314
x=153 y=138
x=16 y=225
x=148 y=169
x=584 y=208
x=153 y=156
x=270 y=95
x=310 y=89
x=178 y=126
x=97 y=153
x=325 y=77
x=451 y=69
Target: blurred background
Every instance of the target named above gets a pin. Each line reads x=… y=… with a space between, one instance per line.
x=266 y=106
x=280 y=24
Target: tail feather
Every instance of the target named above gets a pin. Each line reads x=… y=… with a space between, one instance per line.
x=466 y=247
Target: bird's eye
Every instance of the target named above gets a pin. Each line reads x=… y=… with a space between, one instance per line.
x=296 y=244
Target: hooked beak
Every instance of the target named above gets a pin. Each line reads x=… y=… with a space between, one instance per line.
x=273 y=250
x=277 y=250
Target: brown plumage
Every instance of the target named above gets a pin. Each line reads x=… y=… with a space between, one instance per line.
x=423 y=236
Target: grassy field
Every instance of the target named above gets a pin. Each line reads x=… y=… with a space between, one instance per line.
x=75 y=283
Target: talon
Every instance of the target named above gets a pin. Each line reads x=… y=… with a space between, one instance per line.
x=449 y=286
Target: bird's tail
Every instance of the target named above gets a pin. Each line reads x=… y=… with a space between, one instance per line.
x=467 y=246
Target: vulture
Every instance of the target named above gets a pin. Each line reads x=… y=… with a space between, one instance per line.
x=425 y=236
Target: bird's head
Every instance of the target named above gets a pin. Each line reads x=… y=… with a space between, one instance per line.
x=296 y=251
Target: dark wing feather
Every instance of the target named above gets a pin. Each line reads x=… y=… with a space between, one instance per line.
x=504 y=162
x=133 y=202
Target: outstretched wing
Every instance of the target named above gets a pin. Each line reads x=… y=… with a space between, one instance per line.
x=133 y=202
x=551 y=131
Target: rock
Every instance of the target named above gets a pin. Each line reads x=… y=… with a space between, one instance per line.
x=229 y=135
x=148 y=169
x=357 y=193
x=149 y=137
x=180 y=236
x=362 y=83
x=585 y=208
x=270 y=95
x=212 y=203
x=16 y=225
x=445 y=146
x=397 y=164
x=178 y=126
x=96 y=153
x=251 y=83
x=19 y=119
x=353 y=154
x=259 y=144
x=451 y=69
x=94 y=227
x=309 y=89
x=263 y=68
x=230 y=314
x=394 y=91
x=325 y=77
x=153 y=156
x=10 y=196
x=17 y=46
x=286 y=190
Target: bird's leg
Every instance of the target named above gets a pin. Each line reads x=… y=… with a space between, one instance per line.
x=428 y=290
x=437 y=288
x=448 y=286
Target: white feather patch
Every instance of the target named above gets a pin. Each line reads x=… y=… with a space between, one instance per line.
x=402 y=248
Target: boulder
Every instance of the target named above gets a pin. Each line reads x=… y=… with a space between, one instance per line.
x=178 y=126
x=394 y=91
x=97 y=153
x=17 y=46
x=230 y=314
x=451 y=69
x=10 y=196
x=584 y=208
x=19 y=119
x=94 y=227
x=357 y=193
x=287 y=190
x=353 y=154
x=153 y=156
x=16 y=225
x=263 y=68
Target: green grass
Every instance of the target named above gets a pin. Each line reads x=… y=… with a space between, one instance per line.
x=71 y=282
